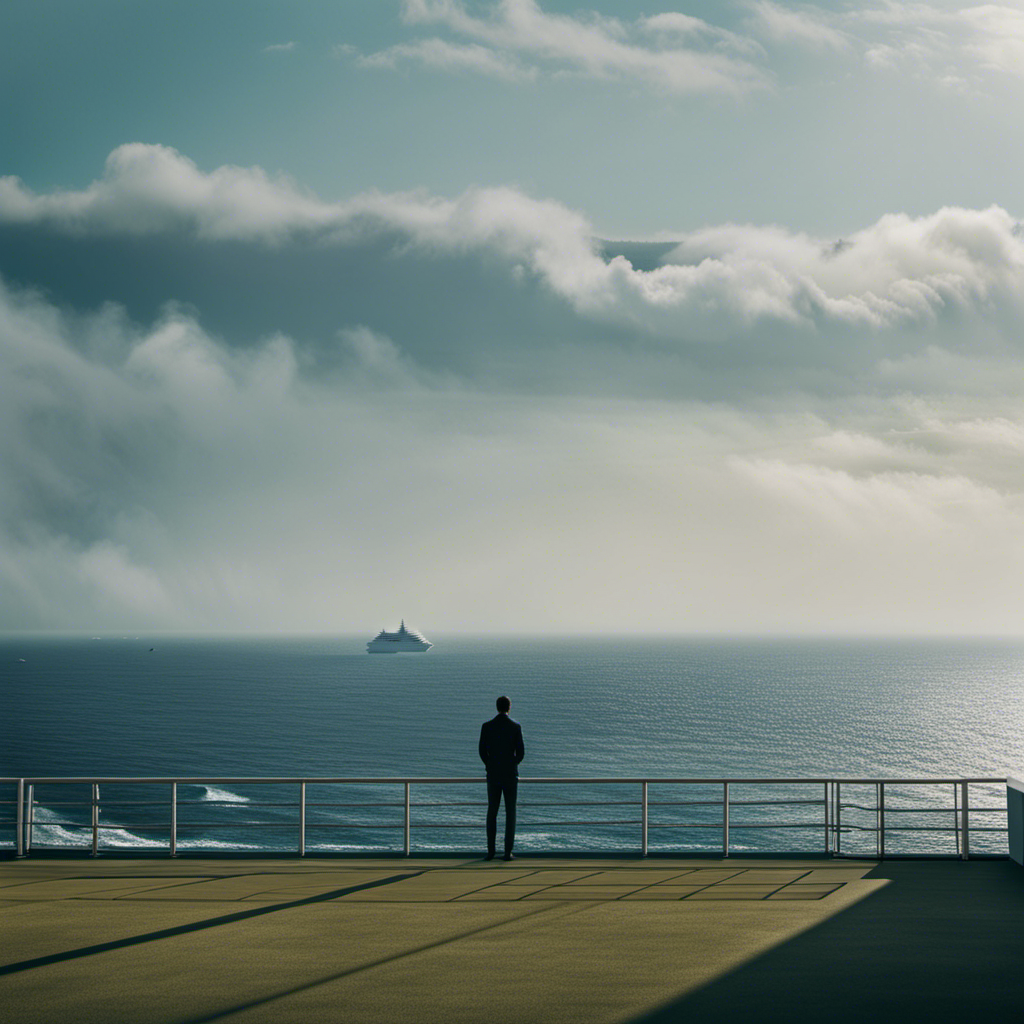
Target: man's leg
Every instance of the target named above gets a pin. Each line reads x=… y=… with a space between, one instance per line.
x=493 y=799
x=511 y=788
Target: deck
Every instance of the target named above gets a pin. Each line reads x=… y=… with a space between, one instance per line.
x=540 y=939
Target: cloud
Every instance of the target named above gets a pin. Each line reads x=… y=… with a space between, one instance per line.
x=288 y=47
x=674 y=25
x=878 y=501
x=516 y=39
x=679 y=54
x=898 y=270
x=951 y=46
x=115 y=580
x=227 y=402
x=720 y=282
x=152 y=188
x=155 y=475
x=997 y=37
x=804 y=25
x=441 y=55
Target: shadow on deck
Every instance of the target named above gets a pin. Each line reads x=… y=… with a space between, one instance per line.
x=944 y=941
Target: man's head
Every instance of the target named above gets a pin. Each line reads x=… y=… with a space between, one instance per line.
x=503 y=704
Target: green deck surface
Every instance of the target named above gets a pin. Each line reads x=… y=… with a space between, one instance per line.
x=544 y=939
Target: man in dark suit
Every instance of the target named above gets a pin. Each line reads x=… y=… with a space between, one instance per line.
x=501 y=750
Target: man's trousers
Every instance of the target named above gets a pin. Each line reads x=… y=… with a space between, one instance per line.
x=499 y=786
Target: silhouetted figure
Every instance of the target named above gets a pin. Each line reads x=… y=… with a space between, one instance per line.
x=501 y=750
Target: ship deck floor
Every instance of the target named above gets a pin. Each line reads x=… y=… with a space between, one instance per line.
x=540 y=939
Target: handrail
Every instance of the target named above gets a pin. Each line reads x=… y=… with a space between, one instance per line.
x=831 y=824
x=690 y=780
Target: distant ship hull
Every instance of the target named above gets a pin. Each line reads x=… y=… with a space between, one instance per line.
x=405 y=641
x=393 y=647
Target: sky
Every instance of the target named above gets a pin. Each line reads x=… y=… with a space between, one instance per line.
x=512 y=317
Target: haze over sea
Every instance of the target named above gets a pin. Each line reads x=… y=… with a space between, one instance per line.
x=590 y=706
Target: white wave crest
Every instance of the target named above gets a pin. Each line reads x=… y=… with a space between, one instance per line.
x=214 y=793
x=48 y=830
x=218 y=844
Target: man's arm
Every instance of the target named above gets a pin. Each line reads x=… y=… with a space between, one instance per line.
x=520 y=749
x=483 y=743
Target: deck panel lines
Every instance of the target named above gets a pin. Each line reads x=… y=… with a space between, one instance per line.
x=107 y=888
x=734 y=892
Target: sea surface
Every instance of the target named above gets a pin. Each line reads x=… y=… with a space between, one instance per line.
x=590 y=707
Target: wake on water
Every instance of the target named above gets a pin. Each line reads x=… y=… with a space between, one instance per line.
x=52 y=829
x=213 y=794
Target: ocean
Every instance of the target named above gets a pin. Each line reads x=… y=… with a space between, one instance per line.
x=590 y=706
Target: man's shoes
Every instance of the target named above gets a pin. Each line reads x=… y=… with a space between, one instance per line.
x=490 y=855
x=509 y=856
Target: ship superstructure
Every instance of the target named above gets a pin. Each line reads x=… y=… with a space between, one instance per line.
x=405 y=641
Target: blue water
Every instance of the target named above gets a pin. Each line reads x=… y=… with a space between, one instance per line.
x=655 y=707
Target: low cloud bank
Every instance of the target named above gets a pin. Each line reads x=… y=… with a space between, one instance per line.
x=165 y=480
x=718 y=283
x=490 y=425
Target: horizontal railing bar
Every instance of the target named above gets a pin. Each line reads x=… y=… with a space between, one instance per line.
x=911 y=810
x=688 y=824
x=737 y=803
x=106 y=803
x=476 y=780
x=352 y=824
x=229 y=824
x=446 y=803
x=182 y=803
x=371 y=803
x=531 y=824
x=86 y=827
x=914 y=828
x=940 y=828
x=733 y=825
x=229 y=803
x=557 y=803
x=522 y=803
x=927 y=810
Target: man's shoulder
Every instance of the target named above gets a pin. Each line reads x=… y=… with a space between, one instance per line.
x=500 y=721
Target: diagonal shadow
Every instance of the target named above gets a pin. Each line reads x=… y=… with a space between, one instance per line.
x=327 y=979
x=195 y=926
x=943 y=941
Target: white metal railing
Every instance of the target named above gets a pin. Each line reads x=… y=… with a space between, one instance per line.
x=864 y=812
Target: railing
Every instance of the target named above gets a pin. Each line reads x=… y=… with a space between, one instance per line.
x=843 y=817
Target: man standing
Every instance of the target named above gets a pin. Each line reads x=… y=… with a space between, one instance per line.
x=501 y=750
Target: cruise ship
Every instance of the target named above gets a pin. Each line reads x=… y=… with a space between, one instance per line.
x=405 y=641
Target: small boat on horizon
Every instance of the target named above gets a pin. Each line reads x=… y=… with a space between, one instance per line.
x=405 y=641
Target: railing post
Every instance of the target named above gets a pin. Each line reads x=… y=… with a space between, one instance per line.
x=956 y=821
x=880 y=819
x=95 y=819
x=965 y=826
x=725 y=819
x=407 y=829
x=30 y=816
x=838 y=818
x=302 y=819
x=174 y=819
x=20 y=814
x=643 y=819
x=824 y=802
